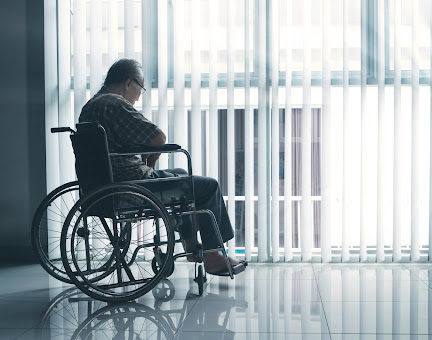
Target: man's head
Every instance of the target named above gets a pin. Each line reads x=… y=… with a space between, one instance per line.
x=125 y=77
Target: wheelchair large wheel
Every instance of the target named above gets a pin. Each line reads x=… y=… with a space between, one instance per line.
x=105 y=265
x=47 y=225
x=125 y=321
x=46 y=228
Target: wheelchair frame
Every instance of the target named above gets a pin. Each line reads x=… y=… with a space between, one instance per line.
x=174 y=212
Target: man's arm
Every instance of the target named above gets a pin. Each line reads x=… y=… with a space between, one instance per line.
x=158 y=140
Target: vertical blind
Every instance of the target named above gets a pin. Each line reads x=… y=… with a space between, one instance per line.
x=314 y=115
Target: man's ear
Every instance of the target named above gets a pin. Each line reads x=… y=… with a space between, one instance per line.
x=128 y=82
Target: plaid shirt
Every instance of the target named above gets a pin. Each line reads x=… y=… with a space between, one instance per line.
x=124 y=127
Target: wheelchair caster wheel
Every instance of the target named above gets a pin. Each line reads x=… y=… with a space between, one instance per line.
x=155 y=266
x=200 y=279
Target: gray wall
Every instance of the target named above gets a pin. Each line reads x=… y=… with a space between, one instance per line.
x=22 y=120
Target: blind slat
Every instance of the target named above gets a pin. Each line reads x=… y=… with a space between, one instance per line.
x=249 y=146
x=213 y=111
x=112 y=31
x=79 y=56
x=262 y=135
x=398 y=199
x=288 y=225
x=306 y=133
x=230 y=123
x=147 y=55
x=430 y=141
x=180 y=118
x=364 y=128
x=381 y=208
x=416 y=141
x=66 y=158
x=162 y=116
x=95 y=47
x=129 y=29
x=327 y=164
x=196 y=143
x=275 y=132
x=346 y=135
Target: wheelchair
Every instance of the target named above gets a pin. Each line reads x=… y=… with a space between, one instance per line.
x=117 y=239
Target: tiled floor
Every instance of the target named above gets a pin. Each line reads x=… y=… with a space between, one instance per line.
x=273 y=301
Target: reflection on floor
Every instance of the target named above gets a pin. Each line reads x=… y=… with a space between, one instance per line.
x=277 y=301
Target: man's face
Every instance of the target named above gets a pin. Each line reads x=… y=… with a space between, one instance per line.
x=133 y=89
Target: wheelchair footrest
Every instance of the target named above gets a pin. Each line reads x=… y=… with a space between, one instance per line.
x=239 y=268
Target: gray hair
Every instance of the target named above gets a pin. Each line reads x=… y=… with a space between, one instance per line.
x=122 y=70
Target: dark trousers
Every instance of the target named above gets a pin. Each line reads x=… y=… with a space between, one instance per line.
x=207 y=196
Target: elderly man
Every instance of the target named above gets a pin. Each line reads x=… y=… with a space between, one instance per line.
x=112 y=107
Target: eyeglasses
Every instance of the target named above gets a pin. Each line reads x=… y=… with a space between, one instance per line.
x=142 y=87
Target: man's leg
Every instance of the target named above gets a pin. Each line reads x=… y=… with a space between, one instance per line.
x=208 y=195
x=185 y=229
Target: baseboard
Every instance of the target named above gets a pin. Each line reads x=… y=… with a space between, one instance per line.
x=17 y=254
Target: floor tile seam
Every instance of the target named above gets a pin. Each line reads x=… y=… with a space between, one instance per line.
x=60 y=328
x=258 y=332
x=47 y=302
x=374 y=301
x=66 y=328
x=22 y=334
x=426 y=283
x=193 y=306
x=375 y=333
x=22 y=327
x=419 y=278
x=407 y=267
x=322 y=304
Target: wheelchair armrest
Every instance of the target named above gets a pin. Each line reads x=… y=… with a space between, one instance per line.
x=145 y=149
x=150 y=149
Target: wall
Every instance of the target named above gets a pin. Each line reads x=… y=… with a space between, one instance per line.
x=22 y=121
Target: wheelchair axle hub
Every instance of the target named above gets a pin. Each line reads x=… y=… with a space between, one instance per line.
x=82 y=232
x=121 y=244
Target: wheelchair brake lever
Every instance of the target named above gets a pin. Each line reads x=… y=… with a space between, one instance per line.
x=62 y=129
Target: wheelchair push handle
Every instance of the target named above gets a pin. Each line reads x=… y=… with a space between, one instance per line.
x=62 y=129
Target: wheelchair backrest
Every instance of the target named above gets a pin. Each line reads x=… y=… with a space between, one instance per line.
x=92 y=162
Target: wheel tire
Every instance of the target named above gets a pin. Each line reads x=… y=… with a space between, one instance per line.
x=54 y=269
x=200 y=280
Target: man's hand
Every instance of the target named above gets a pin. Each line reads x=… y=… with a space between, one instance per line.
x=152 y=158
